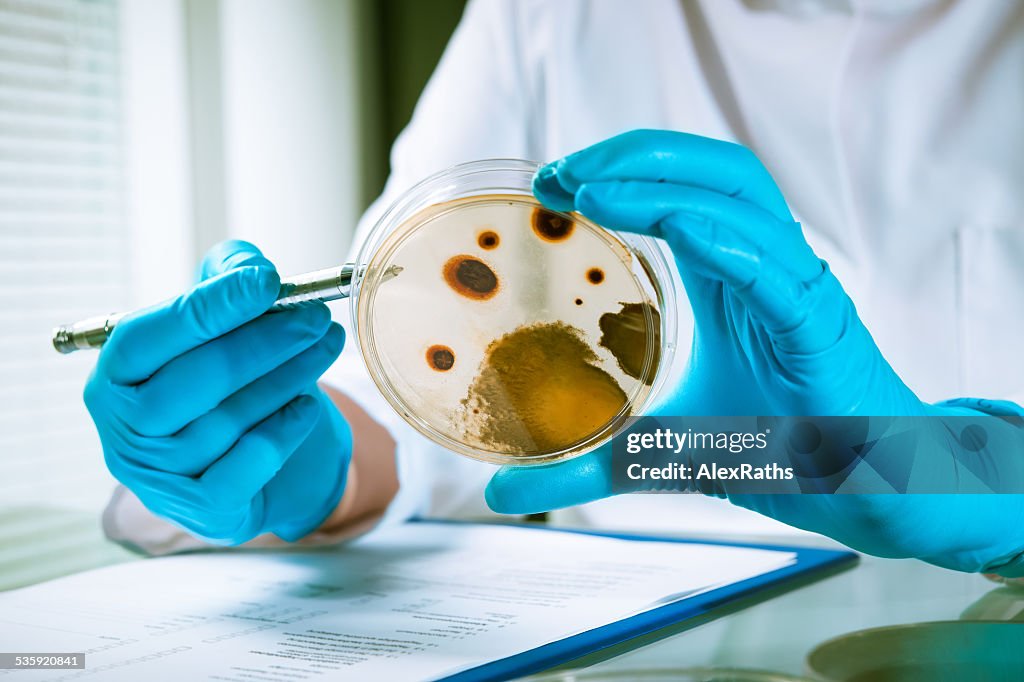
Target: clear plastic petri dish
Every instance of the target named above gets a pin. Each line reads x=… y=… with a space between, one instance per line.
x=504 y=331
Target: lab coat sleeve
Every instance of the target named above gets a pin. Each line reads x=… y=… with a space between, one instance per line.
x=477 y=105
x=127 y=522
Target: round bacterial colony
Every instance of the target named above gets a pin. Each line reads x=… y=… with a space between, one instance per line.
x=511 y=333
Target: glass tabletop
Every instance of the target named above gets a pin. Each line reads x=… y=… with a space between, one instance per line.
x=776 y=635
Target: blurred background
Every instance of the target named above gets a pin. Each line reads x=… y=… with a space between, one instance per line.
x=134 y=134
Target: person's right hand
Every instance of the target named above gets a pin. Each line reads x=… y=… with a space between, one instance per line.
x=208 y=409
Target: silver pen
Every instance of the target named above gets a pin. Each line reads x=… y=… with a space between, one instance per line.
x=330 y=284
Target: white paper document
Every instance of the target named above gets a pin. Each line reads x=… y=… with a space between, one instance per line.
x=411 y=602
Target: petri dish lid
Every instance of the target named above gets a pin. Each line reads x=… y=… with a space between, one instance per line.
x=503 y=330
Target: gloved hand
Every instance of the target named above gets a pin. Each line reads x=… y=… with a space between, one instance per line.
x=775 y=334
x=208 y=409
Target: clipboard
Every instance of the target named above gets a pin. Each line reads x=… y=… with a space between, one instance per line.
x=811 y=564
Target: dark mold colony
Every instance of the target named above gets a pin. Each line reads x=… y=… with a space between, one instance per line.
x=441 y=358
x=488 y=239
x=551 y=227
x=624 y=334
x=471 y=277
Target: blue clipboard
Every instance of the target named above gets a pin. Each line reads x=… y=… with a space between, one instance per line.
x=811 y=564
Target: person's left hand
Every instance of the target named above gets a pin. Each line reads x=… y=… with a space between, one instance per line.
x=775 y=334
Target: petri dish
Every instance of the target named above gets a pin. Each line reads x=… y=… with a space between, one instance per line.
x=502 y=330
x=923 y=652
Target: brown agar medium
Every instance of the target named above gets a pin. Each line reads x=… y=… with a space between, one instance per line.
x=539 y=376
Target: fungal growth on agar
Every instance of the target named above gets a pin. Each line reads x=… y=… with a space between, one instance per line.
x=541 y=388
x=441 y=358
x=625 y=333
x=550 y=226
x=488 y=240
x=471 y=277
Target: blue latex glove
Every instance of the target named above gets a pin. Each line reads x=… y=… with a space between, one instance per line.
x=775 y=334
x=208 y=409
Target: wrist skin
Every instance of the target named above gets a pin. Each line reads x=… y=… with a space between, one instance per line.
x=372 y=480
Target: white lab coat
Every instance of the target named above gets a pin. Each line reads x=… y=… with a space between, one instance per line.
x=895 y=129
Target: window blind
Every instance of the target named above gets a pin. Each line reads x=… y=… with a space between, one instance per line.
x=63 y=239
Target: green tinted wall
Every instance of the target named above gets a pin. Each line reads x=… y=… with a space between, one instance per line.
x=402 y=43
